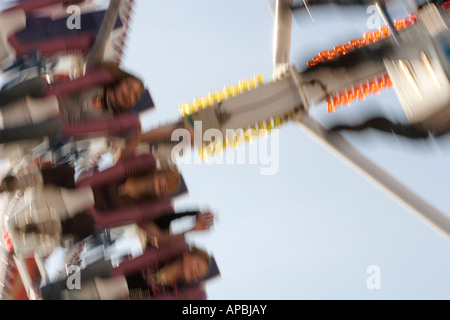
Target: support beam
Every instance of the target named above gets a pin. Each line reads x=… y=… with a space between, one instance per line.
x=282 y=37
x=344 y=150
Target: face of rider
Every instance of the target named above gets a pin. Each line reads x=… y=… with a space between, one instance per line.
x=126 y=93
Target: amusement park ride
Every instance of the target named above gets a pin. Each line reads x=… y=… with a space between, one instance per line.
x=410 y=55
x=418 y=70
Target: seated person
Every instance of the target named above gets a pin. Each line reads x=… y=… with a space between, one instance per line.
x=153 y=185
x=150 y=282
x=60 y=113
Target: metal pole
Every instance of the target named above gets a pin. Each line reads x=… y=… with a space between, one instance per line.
x=282 y=37
x=343 y=149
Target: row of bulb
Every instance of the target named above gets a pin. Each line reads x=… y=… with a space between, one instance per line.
x=7 y=241
x=260 y=129
x=367 y=38
x=358 y=92
x=187 y=108
x=446 y=5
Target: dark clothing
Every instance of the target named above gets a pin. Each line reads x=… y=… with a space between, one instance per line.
x=52 y=128
x=143 y=285
x=45 y=28
x=34 y=88
x=109 y=197
x=61 y=176
x=79 y=227
x=164 y=222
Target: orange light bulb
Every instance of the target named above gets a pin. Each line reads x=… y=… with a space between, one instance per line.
x=355 y=43
x=380 y=83
x=362 y=42
x=387 y=81
x=400 y=24
x=317 y=59
x=369 y=36
x=373 y=86
x=325 y=56
x=347 y=47
x=335 y=99
x=385 y=31
x=330 y=105
x=343 y=98
x=358 y=92
x=350 y=95
x=377 y=35
x=365 y=89
x=340 y=49
x=333 y=53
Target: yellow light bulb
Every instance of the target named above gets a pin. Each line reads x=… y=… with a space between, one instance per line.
x=276 y=122
x=249 y=133
x=244 y=84
x=248 y=136
x=214 y=97
x=230 y=140
x=222 y=96
x=261 y=129
x=259 y=79
x=237 y=90
x=184 y=108
x=200 y=103
x=252 y=84
x=238 y=141
x=230 y=91
x=218 y=147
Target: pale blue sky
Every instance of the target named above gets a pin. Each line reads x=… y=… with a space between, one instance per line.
x=310 y=231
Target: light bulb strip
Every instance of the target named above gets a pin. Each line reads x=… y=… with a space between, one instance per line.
x=187 y=108
x=368 y=38
x=358 y=92
x=260 y=129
